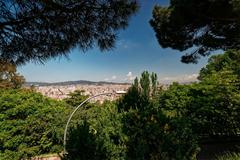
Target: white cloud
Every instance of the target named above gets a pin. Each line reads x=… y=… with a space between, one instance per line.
x=111 y=79
x=182 y=78
x=130 y=76
x=114 y=77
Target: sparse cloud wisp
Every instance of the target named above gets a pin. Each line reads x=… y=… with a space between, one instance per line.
x=114 y=77
x=130 y=76
x=182 y=79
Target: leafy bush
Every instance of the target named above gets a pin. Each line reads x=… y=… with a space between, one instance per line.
x=230 y=61
x=174 y=101
x=154 y=136
x=139 y=93
x=76 y=98
x=30 y=124
x=213 y=104
x=151 y=133
x=98 y=135
x=83 y=144
x=212 y=108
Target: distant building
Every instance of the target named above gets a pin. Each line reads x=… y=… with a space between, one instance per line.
x=61 y=92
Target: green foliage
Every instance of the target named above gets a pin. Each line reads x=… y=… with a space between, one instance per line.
x=213 y=104
x=175 y=100
x=140 y=92
x=152 y=134
x=30 y=124
x=9 y=78
x=98 y=135
x=145 y=133
x=217 y=96
x=205 y=25
x=229 y=156
x=39 y=30
x=136 y=127
x=82 y=144
x=230 y=61
x=76 y=98
x=154 y=81
x=216 y=104
x=132 y=99
x=145 y=84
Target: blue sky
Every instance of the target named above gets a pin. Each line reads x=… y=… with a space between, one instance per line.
x=136 y=50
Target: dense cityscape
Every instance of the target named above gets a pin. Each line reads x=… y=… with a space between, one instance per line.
x=60 y=92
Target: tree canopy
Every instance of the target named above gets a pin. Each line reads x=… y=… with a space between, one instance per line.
x=213 y=104
x=140 y=92
x=38 y=30
x=75 y=98
x=9 y=78
x=206 y=25
x=30 y=124
x=230 y=61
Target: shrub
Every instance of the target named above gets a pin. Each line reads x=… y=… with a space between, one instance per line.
x=98 y=135
x=212 y=107
x=152 y=136
x=213 y=104
x=30 y=124
x=76 y=98
x=151 y=133
x=83 y=144
x=140 y=93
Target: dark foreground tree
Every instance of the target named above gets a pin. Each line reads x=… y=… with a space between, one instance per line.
x=206 y=25
x=38 y=30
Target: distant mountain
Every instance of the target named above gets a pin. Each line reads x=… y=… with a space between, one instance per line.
x=81 y=82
